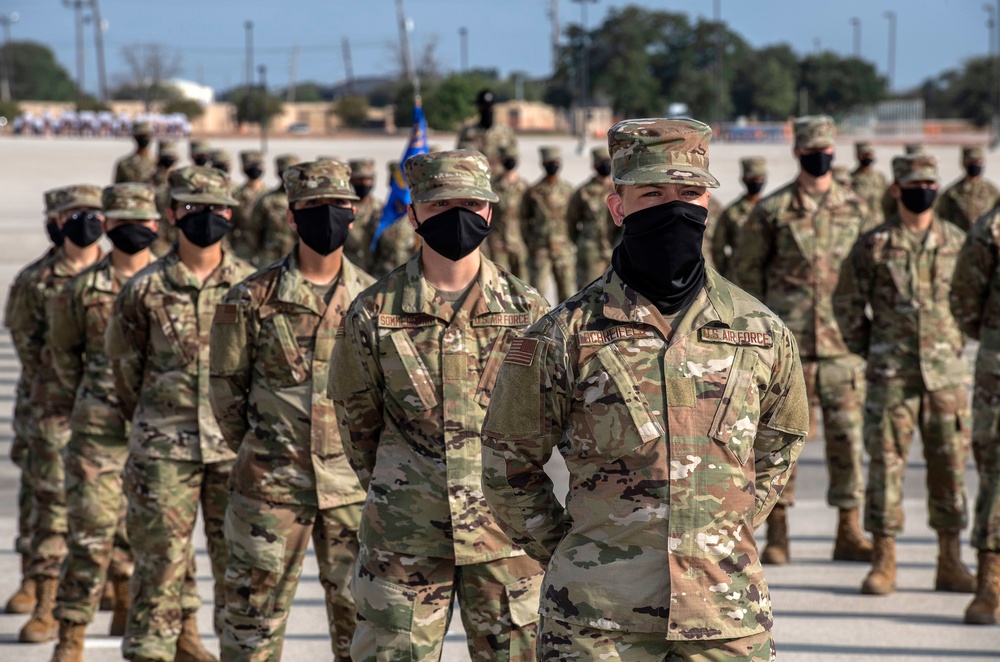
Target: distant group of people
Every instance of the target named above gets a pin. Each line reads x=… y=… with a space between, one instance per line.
x=99 y=124
x=397 y=406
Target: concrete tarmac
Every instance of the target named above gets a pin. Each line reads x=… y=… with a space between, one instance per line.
x=819 y=613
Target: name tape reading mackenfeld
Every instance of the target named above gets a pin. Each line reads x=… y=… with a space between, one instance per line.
x=730 y=337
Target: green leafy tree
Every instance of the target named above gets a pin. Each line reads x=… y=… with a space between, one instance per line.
x=765 y=86
x=35 y=73
x=352 y=111
x=966 y=93
x=254 y=106
x=836 y=84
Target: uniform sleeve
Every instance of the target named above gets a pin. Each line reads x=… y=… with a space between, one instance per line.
x=945 y=208
x=234 y=340
x=356 y=388
x=851 y=296
x=721 y=239
x=574 y=216
x=527 y=214
x=126 y=341
x=24 y=326
x=867 y=219
x=970 y=285
x=784 y=424
x=750 y=261
x=251 y=235
x=66 y=339
x=523 y=424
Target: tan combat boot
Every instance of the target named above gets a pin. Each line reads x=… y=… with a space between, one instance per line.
x=123 y=600
x=851 y=544
x=952 y=575
x=189 y=645
x=776 y=552
x=70 y=646
x=42 y=626
x=23 y=600
x=882 y=578
x=984 y=607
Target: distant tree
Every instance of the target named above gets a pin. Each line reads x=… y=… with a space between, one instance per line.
x=188 y=107
x=836 y=84
x=35 y=73
x=352 y=111
x=766 y=83
x=254 y=106
x=308 y=92
x=148 y=66
x=965 y=93
x=9 y=110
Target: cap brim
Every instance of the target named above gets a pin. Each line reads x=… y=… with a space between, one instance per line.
x=79 y=204
x=664 y=174
x=204 y=199
x=917 y=177
x=320 y=194
x=815 y=144
x=132 y=215
x=445 y=193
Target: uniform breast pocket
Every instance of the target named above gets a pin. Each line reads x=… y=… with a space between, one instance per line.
x=98 y=311
x=407 y=380
x=178 y=331
x=280 y=359
x=736 y=419
x=614 y=407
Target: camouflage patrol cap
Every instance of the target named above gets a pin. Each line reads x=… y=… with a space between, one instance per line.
x=842 y=175
x=78 y=195
x=550 y=153
x=199 y=147
x=283 y=161
x=864 y=148
x=599 y=154
x=200 y=184
x=221 y=156
x=753 y=167
x=362 y=168
x=142 y=128
x=318 y=179
x=251 y=157
x=167 y=147
x=459 y=173
x=814 y=132
x=509 y=152
x=52 y=202
x=915 y=148
x=972 y=153
x=131 y=200
x=914 y=168
x=661 y=151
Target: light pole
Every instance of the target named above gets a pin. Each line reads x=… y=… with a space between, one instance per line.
x=719 y=65
x=262 y=70
x=100 y=26
x=891 y=68
x=248 y=27
x=856 y=22
x=78 y=6
x=463 y=35
x=584 y=71
x=8 y=66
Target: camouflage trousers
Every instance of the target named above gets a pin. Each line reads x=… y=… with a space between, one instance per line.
x=267 y=543
x=986 y=449
x=48 y=485
x=590 y=264
x=837 y=385
x=163 y=499
x=95 y=506
x=405 y=606
x=893 y=412
x=564 y=641
x=25 y=499
x=507 y=256
x=559 y=263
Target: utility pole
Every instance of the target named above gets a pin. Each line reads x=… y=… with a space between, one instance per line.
x=720 y=65
x=404 y=45
x=78 y=6
x=856 y=22
x=262 y=70
x=292 y=74
x=554 y=15
x=99 y=27
x=248 y=26
x=463 y=36
x=348 y=67
x=584 y=73
x=891 y=68
x=8 y=66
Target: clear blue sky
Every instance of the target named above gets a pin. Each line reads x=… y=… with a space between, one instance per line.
x=510 y=35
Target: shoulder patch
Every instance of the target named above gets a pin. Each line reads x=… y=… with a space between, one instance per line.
x=503 y=319
x=405 y=321
x=227 y=313
x=730 y=337
x=592 y=338
x=522 y=351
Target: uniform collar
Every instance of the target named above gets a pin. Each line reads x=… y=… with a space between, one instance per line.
x=802 y=201
x=180 y=276
x=293 y=288
x=418 y=294
x=899 y=237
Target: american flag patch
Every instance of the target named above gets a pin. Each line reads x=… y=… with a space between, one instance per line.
x=521 y=352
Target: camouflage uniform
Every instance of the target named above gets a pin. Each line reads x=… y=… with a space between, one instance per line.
x=715 y=210
x=697 y=422
x=789 y=257
x=221 y=160
x=506 y=245
x=271 y=344
x=200 y=149
x=411 y=379
x=726 y=237
x=889 y=202
x=267 y=236
x=543 y=225
x=137 y=167
x=158 y=344
x=869 y=184
x=160 y=181
x=965 y=201
x=247 y=195
x=589 y=224
x=489 y=141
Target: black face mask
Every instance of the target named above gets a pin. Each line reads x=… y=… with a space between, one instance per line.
x=510 y=164
x=142 y=141
x=754 y=188
x=83 y=228
x=454 y=233
x=973 y=170
x=131 y=238
x=816 y=164
x=204 y=228
x=55 y=233
x=660 y=254
x=166 y=162
x=866 y=162
x=551 y=168
x=199 y=160
x=603 y=168
x=363 y=190
x=253 y=172
x=917 y=200
x=323 y=229
x=224 y=168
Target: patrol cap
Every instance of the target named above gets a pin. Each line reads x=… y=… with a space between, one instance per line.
x=221 y=156
x=78 y=195
x=199 y=147
x=509 y=152
x=318 y=179
x=814 y=132
x=486 y=97
x=550 y=153
x=251 y=157
x=842 y=175
x=142 y=128
x=362 y=168
x=661 y=151
x=282 y=161
x=167 y=147
x=972 y=153
x=753 y=167
x=52 y=201
x=599 y=154
x=914 y=168
x=200 y=184
x=863 y=148
x=915 y=148
x=459 y=173
x=131 y=200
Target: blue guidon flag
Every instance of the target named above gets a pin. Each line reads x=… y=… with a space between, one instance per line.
x=399 y=193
